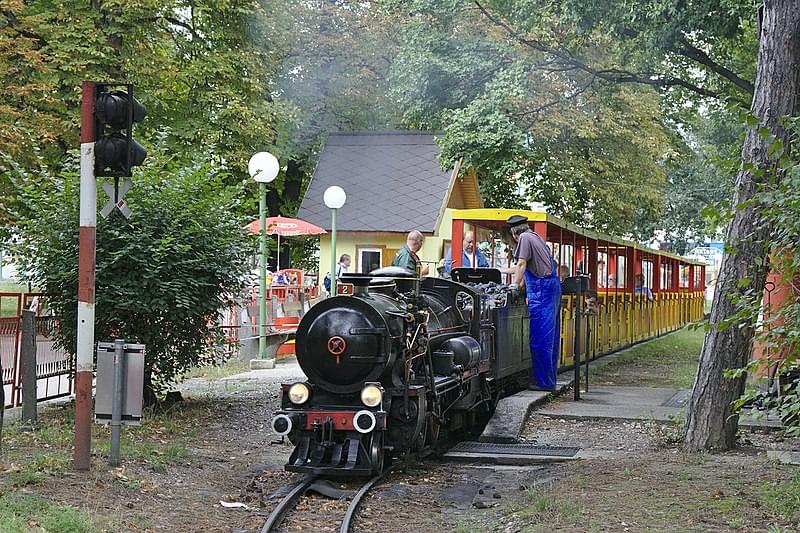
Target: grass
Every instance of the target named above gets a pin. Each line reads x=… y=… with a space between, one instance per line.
x=669 y=361
x=544 y=511
x=13 y=286
x=33 y=471
x=212 y=372
x=23 y=513
x=665 y=492
x=783 y=498
x=36 y=461
x=156 y=455
x=161 y=440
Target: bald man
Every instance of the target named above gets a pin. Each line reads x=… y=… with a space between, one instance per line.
x=407 y=255
x=466 y=257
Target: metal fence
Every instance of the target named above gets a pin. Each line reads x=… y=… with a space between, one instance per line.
x=54 y=367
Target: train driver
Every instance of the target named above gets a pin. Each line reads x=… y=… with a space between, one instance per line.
x=538 y=272
x=407 y=255
x=466 y=257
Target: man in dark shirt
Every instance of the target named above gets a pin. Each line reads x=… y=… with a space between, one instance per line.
x=407 y=255
x=537 y=272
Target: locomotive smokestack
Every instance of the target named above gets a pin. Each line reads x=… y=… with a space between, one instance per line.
x=359 y=281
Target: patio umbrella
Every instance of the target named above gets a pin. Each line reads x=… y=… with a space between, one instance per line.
x=286 y=227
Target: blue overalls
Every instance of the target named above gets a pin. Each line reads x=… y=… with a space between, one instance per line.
x=544 y=302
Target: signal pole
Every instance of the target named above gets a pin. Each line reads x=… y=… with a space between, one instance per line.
x=86 y=276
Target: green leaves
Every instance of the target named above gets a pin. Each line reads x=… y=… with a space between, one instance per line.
x=161 y=277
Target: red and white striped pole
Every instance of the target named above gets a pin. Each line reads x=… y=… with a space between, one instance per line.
x=86 y=271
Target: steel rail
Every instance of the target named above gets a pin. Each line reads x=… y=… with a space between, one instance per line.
x=354 y=504
x=287 y=503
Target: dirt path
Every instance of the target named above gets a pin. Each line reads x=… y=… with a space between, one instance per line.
x=217 y=446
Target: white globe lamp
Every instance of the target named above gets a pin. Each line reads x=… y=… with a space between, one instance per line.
x=263 y=167
x=334 y=197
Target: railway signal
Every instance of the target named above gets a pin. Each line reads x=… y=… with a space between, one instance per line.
x=115 y=111
x=107 y=149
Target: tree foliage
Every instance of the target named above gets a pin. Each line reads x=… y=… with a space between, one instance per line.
x=203 y=69
x=779 y=334
x=700 y=181
x=161 y=277
x=333 y=76
x=594 y=153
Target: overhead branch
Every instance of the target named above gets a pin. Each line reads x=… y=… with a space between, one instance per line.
x=14 y=24
x=610 y=75
x=692 y=52
x=555 y=102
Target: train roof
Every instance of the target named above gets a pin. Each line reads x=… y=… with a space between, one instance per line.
x=494 y=218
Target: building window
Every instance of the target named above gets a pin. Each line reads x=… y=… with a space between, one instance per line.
x=369 y=258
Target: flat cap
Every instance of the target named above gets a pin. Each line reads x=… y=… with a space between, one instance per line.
x=516 y=220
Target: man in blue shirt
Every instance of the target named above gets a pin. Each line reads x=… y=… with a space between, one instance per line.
x=466 y=257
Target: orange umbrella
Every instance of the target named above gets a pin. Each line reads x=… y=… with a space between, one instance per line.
x=285 y=227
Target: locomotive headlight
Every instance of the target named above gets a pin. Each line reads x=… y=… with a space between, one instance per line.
x=299 y=393
x=371 y=395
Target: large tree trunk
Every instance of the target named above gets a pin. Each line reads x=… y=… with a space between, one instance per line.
x=711 y=424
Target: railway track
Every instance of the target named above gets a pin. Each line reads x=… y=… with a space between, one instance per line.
x=289 y=502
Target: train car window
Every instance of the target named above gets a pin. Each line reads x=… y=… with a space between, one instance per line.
x=621 y=273
x=684 y=278
x=602 y=270
x=647 y=272
x=666 y=276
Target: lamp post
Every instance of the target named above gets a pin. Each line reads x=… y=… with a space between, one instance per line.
x=263 y=167
x=334 y=198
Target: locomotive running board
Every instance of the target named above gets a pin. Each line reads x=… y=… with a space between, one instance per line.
x=510 y=454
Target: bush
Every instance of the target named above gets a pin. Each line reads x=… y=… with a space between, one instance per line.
x=161 y=276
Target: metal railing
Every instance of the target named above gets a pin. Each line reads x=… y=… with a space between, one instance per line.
x=623 y=319
x=54 y=367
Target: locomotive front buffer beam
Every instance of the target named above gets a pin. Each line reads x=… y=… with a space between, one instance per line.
x=336 y=443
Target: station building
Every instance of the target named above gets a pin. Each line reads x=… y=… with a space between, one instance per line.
x=394 y=184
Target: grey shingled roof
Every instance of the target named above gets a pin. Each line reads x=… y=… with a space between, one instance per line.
x=393 y=182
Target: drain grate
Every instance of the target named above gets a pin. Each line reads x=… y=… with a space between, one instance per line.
x=492 y=448
x=678 y=399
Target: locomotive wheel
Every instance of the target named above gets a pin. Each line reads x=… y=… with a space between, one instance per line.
x=377 y=453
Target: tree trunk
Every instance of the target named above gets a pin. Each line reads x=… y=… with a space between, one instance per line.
x=710 y=423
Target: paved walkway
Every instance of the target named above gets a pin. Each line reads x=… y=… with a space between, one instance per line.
x=284 y=369
x=633 y=403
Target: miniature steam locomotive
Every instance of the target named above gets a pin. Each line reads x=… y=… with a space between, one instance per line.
x=400 y=365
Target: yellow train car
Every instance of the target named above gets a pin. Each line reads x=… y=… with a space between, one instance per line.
x=637 y=292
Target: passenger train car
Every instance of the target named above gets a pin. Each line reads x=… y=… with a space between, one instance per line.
x=402 y=364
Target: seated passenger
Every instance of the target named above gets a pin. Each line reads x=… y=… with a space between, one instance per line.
x=563 y=273
x=466 y=256
x=639 y=287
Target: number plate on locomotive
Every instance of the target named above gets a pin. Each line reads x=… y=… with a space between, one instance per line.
x=344 y=288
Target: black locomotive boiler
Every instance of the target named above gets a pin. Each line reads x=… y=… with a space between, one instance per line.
x=398 y=366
